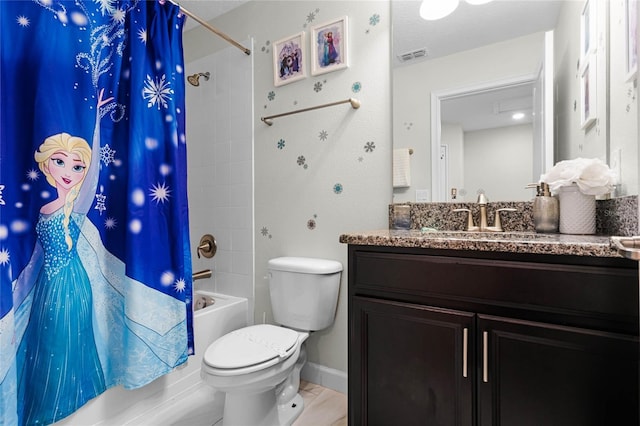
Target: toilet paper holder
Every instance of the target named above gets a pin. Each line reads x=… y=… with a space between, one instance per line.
x=207 y=246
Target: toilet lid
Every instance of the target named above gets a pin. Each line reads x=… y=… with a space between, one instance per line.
x=251 y=345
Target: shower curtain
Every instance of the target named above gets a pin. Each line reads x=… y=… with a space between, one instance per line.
x=95 y=265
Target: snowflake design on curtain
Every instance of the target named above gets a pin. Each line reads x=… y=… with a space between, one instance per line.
x=160 y=193
x=107 y=155
x=4 y=257
x=101 y=201
x=157 y=91
x=107 y=7
x=1 y=200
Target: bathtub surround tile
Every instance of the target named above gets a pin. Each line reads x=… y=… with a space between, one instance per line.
x=220 y=158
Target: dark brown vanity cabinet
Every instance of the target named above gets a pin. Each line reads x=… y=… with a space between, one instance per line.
x=441 y=337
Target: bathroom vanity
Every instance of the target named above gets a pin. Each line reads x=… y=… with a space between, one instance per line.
x=486 y=329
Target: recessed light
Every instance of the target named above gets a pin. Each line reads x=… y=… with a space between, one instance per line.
x=431 y=10
x=518 y=116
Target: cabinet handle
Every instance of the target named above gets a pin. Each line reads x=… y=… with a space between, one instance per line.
x=485 y=356
x=465 y=349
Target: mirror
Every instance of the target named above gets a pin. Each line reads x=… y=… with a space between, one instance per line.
x=441 y=68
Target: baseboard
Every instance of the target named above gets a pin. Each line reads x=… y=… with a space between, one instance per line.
x=325 y=376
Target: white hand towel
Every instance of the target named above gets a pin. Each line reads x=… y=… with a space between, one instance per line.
x=401 y=168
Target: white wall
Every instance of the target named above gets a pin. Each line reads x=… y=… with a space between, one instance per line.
x=485 y=164
x=220 y=178
x=453 y=136
x=623 y=104
x=572 y=141
x=413 y=85
x=344 y=182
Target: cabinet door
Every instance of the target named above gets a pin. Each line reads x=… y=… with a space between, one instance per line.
x=409 y=364
x=541 y=374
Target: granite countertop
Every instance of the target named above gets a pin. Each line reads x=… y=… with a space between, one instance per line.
x=511 y=242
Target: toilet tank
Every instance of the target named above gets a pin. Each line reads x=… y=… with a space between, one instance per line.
x=304 y=291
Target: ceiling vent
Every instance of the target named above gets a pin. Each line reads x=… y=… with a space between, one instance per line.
x=420 y=53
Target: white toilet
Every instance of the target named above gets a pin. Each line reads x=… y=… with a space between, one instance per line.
x=258 y=367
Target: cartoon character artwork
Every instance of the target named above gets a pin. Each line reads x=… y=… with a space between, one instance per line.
x=60 y=369
x=290 y=60
x=330 y=54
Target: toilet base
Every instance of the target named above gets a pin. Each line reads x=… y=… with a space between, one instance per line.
x=262 y=412
x=288 y=413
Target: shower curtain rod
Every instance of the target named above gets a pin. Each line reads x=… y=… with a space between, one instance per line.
x=213 y=29
x=355 y=104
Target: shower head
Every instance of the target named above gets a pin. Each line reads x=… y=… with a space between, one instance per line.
x=194 y=79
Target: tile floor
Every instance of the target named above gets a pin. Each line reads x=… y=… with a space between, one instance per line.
x=322 y=406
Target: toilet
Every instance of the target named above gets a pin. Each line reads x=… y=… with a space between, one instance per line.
x=258 y=367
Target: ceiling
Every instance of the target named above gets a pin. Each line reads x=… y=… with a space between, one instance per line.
x=469 y=26
x=207 y=9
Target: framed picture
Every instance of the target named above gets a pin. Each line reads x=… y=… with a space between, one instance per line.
x=329 y=46
x=587 y=32
x=588 y=93
x=289 y=60
x=631 y=31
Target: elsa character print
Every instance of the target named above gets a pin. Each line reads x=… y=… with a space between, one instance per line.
x=330 y=54
x=60 y=366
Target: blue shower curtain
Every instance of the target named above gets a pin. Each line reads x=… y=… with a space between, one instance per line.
x=95 y=266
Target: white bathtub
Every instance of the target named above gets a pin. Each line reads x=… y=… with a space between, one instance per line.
x=118 y=406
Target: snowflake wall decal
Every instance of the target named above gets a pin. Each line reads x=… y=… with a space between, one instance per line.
x=311 y=17
x=337 y=188
x=323 y=135
x=369 y=146
x=157 y=91
x=281 y=144
x=374 y=19
x=265 y=232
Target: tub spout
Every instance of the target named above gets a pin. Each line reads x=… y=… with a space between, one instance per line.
x=201 y=274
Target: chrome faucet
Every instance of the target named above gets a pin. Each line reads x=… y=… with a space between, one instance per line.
x=483 y=225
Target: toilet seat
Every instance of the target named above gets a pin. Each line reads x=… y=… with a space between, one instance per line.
x=250 y=349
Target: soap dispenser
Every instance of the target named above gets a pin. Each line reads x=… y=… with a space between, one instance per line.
x=546 y=211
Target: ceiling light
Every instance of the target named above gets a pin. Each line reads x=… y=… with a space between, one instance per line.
x=476 y=2
x=431 y=10
x=518 y=116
